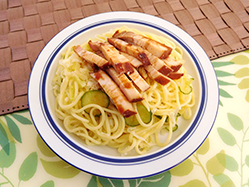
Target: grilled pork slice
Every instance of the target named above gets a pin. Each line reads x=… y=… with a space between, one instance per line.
x=173 y=64
x=175 y=75
x=142 y=72
x=113 y=91
x=91 y=57
x=130 y=49
x=94 y=45
x=156 y=75
x=156 y=48
x=159 y=65
x=125 y=85
x=135 y=62
x=138 y=80
x=143 y=55
x=118 y=61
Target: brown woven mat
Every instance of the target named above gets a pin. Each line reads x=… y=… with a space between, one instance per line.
x=221 y=27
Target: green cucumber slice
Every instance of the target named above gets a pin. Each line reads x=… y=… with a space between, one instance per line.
x=167 y=121
x=144 y=114
x=187 y=90
x=97 y=97
x=173 y=128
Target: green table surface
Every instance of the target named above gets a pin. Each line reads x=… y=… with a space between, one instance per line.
x=222 y=160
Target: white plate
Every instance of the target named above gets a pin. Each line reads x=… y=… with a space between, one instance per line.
x=104 y=161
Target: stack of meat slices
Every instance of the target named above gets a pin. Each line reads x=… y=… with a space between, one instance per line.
x=118 y=60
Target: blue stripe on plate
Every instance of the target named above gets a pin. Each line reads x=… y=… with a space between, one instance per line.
x=123 y=161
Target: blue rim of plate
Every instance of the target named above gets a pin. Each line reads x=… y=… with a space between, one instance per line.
x=132 y=160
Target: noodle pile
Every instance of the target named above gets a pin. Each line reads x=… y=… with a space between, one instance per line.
x=166 y=103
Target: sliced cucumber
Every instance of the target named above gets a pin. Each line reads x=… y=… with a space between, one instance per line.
x=173 y=129
x=97 y=97
x=167 y=121
x=144 y=114
x=131 y=121
x=186 y=90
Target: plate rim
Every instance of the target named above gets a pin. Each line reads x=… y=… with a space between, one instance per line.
x=111 y=15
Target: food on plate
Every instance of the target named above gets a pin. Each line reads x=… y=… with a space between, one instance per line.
x=112 y=89
x=123 y=89
x=141 y=54
x=156 y=48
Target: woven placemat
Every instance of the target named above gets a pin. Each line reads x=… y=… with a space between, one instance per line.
x=220 y=27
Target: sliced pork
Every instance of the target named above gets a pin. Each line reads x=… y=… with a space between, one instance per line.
x=173 y=64
x=138 y=80
x=156 y=48
x=118 y=61
x=125 y=85
x=156 y=75
x=123 y=105
x=143 y=55
x=91 y=57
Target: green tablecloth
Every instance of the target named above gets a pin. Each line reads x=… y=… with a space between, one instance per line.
x=222 y=160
